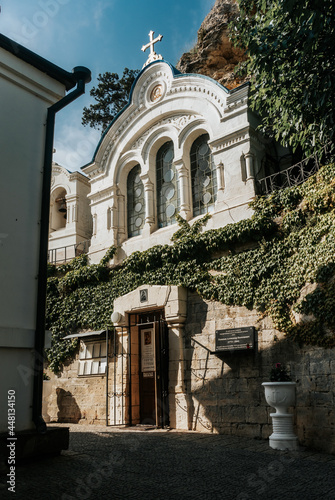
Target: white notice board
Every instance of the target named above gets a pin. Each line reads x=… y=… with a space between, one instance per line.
x=148 y=363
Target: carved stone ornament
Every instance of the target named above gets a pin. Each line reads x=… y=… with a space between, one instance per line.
x=178 y=121
x=156 y=93
x=57 y=170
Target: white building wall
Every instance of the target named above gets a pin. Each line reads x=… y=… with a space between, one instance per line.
x=187 y=106
x=77 y=226
x=25 y=95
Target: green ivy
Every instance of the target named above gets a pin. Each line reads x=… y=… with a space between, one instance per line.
x=290 y=241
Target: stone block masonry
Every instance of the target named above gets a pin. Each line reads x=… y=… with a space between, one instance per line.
x=233 y=379
x=218 y=393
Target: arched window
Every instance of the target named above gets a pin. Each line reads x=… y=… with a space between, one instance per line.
x=58 y=213
x=168 y=199
x=135 y=202
x=203 y=175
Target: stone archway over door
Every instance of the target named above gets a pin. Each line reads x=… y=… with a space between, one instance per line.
x=172 y=302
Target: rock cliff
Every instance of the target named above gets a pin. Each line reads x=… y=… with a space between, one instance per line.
x=214 y=54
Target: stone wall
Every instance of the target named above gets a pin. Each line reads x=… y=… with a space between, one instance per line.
x=226 y=390
x=216 y=393
x=75 y=399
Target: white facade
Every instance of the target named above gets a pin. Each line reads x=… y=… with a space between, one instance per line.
x=25 y=95
x=167 y=107
x=70 y=225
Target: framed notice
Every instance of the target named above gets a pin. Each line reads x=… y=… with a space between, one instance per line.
x=235 y=339
x=148 y=361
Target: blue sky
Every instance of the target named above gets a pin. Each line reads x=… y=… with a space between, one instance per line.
x=104 y=36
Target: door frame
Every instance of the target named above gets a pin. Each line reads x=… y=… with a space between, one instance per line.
x=172 y=301
x=155 y=321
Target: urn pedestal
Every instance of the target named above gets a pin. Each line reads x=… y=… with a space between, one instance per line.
x=281 y=395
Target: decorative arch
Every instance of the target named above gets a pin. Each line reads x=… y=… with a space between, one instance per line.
x=192 y=131
x=124 y=165
x=155 y=139
x=58 y=209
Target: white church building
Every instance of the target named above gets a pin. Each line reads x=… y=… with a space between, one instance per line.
x=183 y=145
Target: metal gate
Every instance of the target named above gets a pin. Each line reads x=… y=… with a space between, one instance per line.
x=119 y=379
x=119 y=371
x=162 y=357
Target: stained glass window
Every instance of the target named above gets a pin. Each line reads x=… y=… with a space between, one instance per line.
x=203 y=175
x=168 y=199
x=135 y=202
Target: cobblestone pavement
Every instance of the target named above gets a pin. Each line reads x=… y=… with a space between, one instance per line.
x=104 y=462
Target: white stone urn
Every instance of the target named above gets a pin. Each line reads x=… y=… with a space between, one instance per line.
x=281 y=395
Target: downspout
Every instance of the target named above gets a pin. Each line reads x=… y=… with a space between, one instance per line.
x=82 y=76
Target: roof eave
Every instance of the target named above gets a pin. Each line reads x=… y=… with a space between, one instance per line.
x=43 y=65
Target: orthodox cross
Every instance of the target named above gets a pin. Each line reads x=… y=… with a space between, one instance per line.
x=152 y=56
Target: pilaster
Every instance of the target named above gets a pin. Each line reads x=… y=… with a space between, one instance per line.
x=149 y=204
x=183 y=175
x=113 y=215
x=250 y=174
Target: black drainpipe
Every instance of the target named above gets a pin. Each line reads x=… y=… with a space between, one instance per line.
x=82 y=76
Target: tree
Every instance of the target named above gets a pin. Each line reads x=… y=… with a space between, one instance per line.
x=112 y=95
x=291 y=59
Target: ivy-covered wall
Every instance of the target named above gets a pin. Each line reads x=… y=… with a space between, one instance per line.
x=274 y=271
x=262 y=263
x=219 y=393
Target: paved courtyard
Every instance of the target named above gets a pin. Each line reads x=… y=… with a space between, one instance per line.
x=136 y=463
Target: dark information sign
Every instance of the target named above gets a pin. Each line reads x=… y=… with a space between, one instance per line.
x=235 y=339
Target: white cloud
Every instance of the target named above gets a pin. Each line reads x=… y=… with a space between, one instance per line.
x=99 y=12
x=35 y=25
x=51 y=27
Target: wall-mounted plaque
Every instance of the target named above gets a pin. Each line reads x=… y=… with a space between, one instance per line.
x=235 y=339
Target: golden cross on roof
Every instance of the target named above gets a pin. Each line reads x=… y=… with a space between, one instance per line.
x=152 y=56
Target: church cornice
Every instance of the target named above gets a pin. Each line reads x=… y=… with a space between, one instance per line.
x=71 y=176
x=102 y=195
x=236 y=137
x=244 y=135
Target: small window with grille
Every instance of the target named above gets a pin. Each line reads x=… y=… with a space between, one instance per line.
x=203 y=175
x=92 y=359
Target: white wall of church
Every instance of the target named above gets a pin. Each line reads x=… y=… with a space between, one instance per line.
x=25 y=95
x=167 y=106
x=70 y=215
